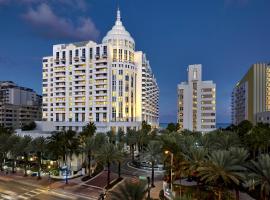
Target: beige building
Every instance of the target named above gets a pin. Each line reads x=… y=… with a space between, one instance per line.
x=18 y=105
x=251 y=95
x=110 y=84
x=197 y=102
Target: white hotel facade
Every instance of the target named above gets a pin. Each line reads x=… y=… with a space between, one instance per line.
x=196 y=102
x=110 y=84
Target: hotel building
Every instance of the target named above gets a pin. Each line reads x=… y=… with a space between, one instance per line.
x=110 y=84
x=251 y=95
x=196 y=102
x=18 y=105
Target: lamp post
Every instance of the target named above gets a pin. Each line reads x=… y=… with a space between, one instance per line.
x=49 y=172
x=148 y=190
x=171 y=184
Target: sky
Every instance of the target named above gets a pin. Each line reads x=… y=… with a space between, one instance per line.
x=225 y=36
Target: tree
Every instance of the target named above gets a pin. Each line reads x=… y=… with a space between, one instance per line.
x=120 y=157
x=141 y=139
x=90 y=146
x=4 y=149
x=171 y=127
x=24 y=146
x=120 y=136
x=129 y=191
x=107 y=155
x=153 y=154
x=131 y=141
x=64 y=144
x=146 y=128
x=260 y=175
x=225 y=140
x=221 y=169
x=38 y=146
x=112 y=137
x=4 y=130
x=243 y=128
x=14 y=149
x=89 y=130
x=30 y=126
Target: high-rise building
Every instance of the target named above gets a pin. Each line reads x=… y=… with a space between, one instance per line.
x=18 y=105
x=251 y=95
x=196 y=102
x=110 y=84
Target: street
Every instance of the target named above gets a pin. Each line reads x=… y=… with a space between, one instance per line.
x=10 y=190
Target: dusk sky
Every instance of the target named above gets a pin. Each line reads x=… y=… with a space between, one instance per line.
x=225 y=36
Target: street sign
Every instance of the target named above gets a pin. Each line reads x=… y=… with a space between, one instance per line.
x=142 y=177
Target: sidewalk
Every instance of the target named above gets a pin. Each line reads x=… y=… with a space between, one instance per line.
x=154 y=192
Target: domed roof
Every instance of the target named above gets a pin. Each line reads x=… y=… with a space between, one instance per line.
x=118 y=31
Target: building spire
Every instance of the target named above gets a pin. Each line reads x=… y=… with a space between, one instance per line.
x=118 y=18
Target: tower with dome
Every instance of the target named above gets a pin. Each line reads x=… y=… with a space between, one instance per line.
x=110 y=84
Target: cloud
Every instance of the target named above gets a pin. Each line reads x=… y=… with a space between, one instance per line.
x=4 y=2
x=70 y=4
x=45 y=22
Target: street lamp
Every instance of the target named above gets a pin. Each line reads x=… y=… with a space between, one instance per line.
x=49 y=167
x=168 y=152
x=148 y=189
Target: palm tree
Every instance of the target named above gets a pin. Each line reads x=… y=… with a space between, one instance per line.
x=153 y=154
x=120 y=157
x=131 y=141
x=129 y=191
x=38 y=146
x=4 y=130
x=13 y=143
x=89 y=130
x=260 y=175
x=141 y=139
x=90 y=146
x=226 y=140
x=111 y=136
x=222 y=170
x=55 y=147
x=25 y=143
x=107 y=155
x=4 y=148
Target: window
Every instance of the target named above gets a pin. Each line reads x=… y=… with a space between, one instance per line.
x=125 y=55
x=120 y=88
x=90 y=53
x=114 y=55
x=113 y=114
x=120 y=114
x=104 y=50
x=132 y=81
x=113 y=82
x=97 y=51
x=77 y=52
x=120 y=55
x=97 y=117
x=195 y=74
x=83 y=53
x=120 y=72
x=70 y=56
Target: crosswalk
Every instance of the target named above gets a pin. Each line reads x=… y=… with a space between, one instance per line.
x=24 y=196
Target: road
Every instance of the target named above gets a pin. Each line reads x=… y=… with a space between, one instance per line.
x=11 y=190
x=128 y=171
